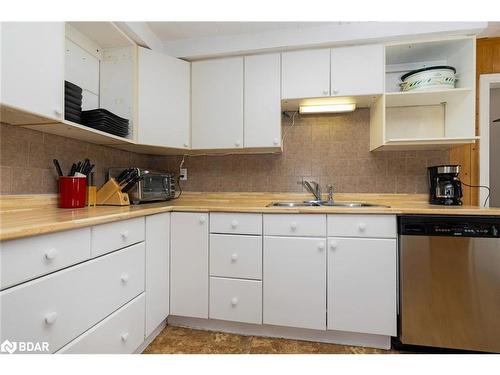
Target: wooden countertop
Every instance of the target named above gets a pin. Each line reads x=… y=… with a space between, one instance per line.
x=29 y=215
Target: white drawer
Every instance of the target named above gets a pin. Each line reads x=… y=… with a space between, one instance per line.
x=236 y=300
x=114 y=236
x=377 y=226
x=58 y=307
x=295 y=225
x=27 y=258
x=236 y=256
x=120 y=333
x=236 y=223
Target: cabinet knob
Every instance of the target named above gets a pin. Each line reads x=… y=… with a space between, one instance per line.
x=234 y=224
x=124 y=278
x=124 y=234
x=333 y=245
x=124 y=336
x=335 y=91
x=293 y=225
x=186 y=144
x=325 y=92
x=50 y=318
x=50 y=254
x=234 y=257
x=234 y=301
x=202 y=219
x=237 y=143
x=321 y=246
x=362 y=227
x=276 y=142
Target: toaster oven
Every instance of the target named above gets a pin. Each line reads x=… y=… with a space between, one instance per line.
x=154 y=186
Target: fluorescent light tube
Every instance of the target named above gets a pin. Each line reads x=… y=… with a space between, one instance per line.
x=327 y=108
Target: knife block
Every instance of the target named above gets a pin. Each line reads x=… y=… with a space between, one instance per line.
x=110 y=194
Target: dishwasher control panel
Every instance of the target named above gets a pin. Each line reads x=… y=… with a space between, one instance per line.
x=456 y=226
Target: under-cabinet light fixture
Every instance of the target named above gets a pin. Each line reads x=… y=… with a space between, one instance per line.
x=327 y=108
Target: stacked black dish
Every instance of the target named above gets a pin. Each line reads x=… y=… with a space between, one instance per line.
x=72 y=102
x=106 y=121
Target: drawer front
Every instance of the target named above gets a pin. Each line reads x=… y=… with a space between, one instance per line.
x=236 y=223
x=120 y=333
x=381 y=226
x=295 y=225
x=114 y=236
x=27 y=258
x=59 y=307
x=236 y=300
x=236 y=256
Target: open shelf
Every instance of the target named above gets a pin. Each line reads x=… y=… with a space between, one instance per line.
x=73 y=130
x=424 y=98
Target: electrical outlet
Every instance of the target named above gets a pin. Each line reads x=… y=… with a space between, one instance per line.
x=183 y=174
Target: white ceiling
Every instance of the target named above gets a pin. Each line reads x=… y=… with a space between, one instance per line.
x=170 y=31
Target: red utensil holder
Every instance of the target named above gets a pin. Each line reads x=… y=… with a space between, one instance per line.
x=72 y=192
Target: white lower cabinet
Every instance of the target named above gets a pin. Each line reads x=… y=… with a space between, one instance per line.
x=362 y=285
x=294 y=282
x=189 y=264
x=59 y=307
x=120 y=333
x=236 y=300
x=157 y=270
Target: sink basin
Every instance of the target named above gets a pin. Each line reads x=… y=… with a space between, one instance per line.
x=349 y=204
x=294 y=204
x=346 y=204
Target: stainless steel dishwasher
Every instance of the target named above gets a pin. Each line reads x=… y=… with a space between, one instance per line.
x=450 y=282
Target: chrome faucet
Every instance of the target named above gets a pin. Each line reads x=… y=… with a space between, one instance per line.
x=330 y=193
x=316 y=190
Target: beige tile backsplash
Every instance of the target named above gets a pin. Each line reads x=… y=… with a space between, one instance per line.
x=326 y=148
x=331 y=149
x=26 y=159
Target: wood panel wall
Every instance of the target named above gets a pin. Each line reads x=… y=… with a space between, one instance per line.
x=487 y=62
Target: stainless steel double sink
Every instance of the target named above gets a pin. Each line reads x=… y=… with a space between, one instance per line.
x=292 y=204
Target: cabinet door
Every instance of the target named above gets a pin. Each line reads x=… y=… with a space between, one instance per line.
x=189 y=264
x=164 y=102
x=157 y=270
x=362 y=285
x=357 y=70
x=262 y=101
x=32 y=67
x=305 y=74
x=294 y=282
x=217 y=103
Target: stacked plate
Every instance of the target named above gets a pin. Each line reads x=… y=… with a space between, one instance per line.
x=72 y=102
x=102 y=119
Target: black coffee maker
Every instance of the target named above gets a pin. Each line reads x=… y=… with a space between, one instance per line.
x=445 y=187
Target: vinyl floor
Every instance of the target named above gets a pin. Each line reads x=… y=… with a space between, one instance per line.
x=177 y=340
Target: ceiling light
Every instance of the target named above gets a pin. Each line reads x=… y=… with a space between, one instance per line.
x=327 y=108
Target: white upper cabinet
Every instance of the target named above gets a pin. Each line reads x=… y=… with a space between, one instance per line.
x=217 y=103
x=357 y=70
x=262 y=101
x=305 y=74
x=164 y=102
x=32 y=67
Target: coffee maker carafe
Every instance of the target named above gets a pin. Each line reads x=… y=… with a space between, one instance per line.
x=445 y=187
